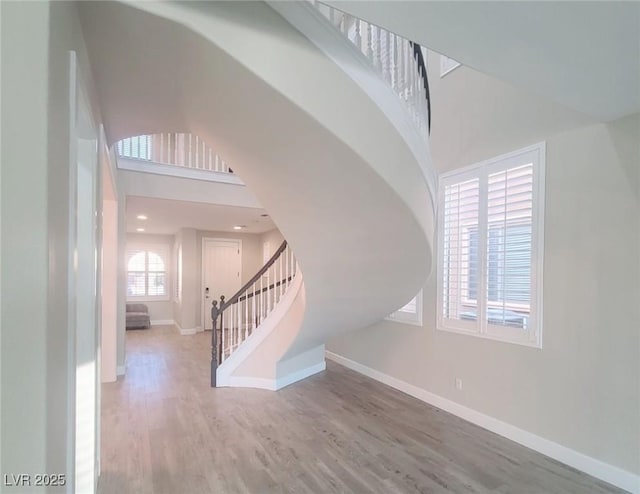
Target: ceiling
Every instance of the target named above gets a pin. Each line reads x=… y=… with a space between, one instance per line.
x=166 y=216
x=584 y=55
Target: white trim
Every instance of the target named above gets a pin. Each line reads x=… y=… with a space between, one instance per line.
x=187 y=331
x=301 y=374
x=447 y=65
x=592 y=466
x=412 y=318
x=480 y=171
x=144 y=166
x=279 y=383
x=162 y=322
x=120 y=370
x=252 y=382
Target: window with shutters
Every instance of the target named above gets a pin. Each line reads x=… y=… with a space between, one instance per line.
x=147 y=273
x=410 y=313
x=490 y=246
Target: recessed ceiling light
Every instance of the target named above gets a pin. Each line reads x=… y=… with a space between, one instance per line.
x=142 y=216
x=239 y=227
x=139 y=229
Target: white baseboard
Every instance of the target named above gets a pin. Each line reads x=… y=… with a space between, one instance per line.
x=596 y=468
x=120 y=370
x=299 y=375
x=251 y=382
x=185 y=331
x=163 y=322
x=274 y=384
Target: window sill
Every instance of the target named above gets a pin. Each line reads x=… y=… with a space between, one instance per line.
x=149 y=299
x=487 y=336
x=411 y=322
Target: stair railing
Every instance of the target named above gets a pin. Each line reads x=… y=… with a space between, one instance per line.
x=170 y=148
x=400 y=62
x=236 y=318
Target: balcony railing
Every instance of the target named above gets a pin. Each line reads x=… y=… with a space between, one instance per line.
x=184 y=150
x=399 y=61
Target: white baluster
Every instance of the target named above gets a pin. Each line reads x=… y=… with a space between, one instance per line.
x=406 y=61
x=246 y=314
x=240 y=314
x=286 y=265
x=253 y=308
x=173 y=149
x=269 y=289
x=386 y=65
x=377 y=61
x=345 y=24
x=261 y=299
x=358 y=36
x=195 y=146
x=370 y=42
x=394 y=71
x=292 y=267
x=222 y=337
x=282 y=275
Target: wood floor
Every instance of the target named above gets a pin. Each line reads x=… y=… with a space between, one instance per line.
x=164 y=430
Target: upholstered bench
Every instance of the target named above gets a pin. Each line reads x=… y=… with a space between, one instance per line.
x=138 y=316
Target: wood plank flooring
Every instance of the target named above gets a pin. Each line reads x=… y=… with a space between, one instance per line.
x=164 y=430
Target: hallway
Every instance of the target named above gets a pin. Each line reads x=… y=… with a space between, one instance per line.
x=164 y=430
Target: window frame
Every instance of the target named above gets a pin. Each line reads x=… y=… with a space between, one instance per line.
x=162 y=251
x=531 y=336
x=404 y=317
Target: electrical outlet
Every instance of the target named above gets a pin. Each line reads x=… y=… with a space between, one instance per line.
x=459 y=383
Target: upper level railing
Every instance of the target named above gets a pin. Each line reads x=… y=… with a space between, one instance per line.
x=185 y=150
x=399 y=61
x=238 y=316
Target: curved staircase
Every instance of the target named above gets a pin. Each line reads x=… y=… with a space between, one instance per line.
x=321 y=140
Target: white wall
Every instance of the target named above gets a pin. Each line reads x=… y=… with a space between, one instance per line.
x=582 y=389
x=38 y=329
x=24 y=258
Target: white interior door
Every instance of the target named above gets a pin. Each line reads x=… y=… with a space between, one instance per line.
x=221 y=272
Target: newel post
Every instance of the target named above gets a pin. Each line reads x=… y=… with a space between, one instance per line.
x=214 y=342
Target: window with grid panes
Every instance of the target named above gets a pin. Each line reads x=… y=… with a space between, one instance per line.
x=490 y=228
x=147 y=274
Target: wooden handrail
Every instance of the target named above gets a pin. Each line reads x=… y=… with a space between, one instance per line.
x=243 y=295
x=265 y=289
x=226 y=303
x=422 y=68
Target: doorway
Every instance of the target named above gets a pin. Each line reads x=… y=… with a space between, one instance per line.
x=221 y=273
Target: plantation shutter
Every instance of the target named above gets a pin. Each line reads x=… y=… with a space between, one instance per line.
x=146 y=273
x=136 y=273
x=460 y=265
x=509 y=246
